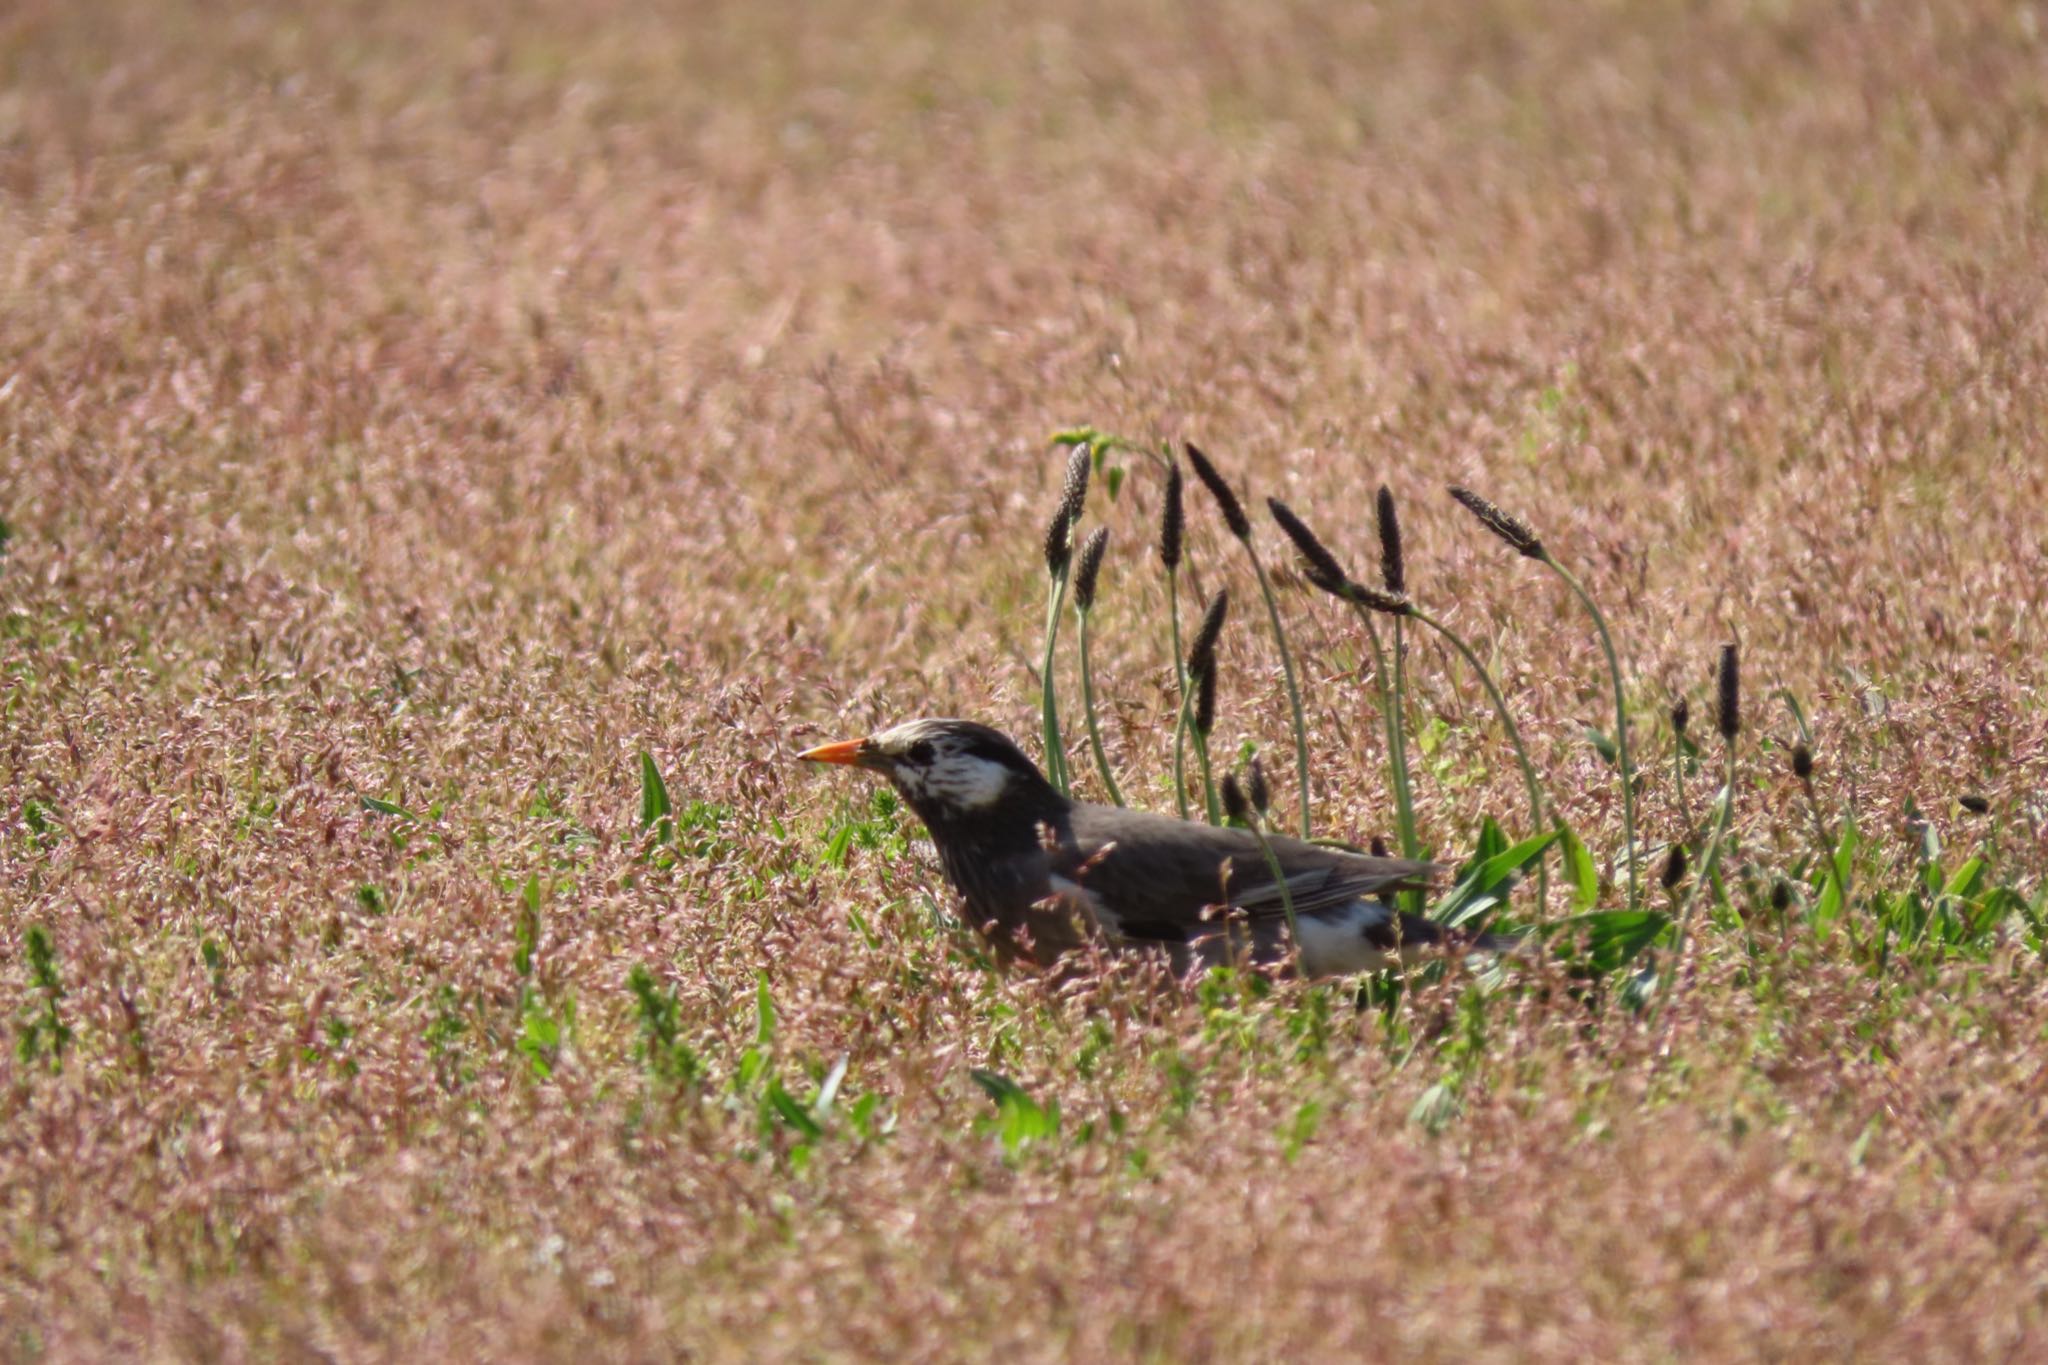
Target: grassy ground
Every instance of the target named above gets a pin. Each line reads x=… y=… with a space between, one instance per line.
x=413 y=414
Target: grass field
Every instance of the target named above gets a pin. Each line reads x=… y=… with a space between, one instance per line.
x=411 y=415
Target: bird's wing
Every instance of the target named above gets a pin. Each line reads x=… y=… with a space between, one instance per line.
x=1158 y=877
x=1331 y=888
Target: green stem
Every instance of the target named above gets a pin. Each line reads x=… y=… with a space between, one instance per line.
x=1397 y=743
x=1678 y=779
x=1180 y=673
x=1628 y=786
x=1048 y=698
x=1088 y=708
x=1709 y=861
x=1824 y=836
x=1507 y=720
x=1280 y=883
x=1214 y=803
x=1293 y=690
x=1397 y=748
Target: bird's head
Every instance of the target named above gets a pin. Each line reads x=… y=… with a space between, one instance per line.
x=947 y=769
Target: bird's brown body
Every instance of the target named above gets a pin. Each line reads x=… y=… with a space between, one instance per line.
x=1040 y=873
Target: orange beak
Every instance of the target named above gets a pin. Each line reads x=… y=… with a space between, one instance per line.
x=852 y=752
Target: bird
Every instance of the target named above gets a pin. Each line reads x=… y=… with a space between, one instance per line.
x=1040 y=873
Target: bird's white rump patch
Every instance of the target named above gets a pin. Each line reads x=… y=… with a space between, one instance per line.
x=1335 y=945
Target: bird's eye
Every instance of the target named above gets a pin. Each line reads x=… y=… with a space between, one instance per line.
x=920 y=753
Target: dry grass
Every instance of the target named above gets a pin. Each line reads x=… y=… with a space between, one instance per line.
x=444 y=409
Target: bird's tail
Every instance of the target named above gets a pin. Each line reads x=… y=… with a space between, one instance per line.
x=1505 y=944
x=1419 y=931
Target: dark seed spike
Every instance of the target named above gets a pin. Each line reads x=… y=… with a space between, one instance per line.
x=1781 y=895
x=1681 y=716
x=1318 y=564
x=1173 y=520
x=1802 y=762
x=1205 y=698
x=1090 y=567
x=1339 y=588
x=1202 y=654
x=1261 y=795
x=1973 y=803
x=1674 y=866
x=1234 y=803
x=1506 y=525
x=1059 y=533
x=1059 y=542
x=1226 y=500
x=1074 y=490
x=1374 y=599
x=1393 y=570
x=1729 y=686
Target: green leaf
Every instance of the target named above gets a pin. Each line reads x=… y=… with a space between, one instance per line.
x=1578 y=866
x=1113 y=480
x=1434 y=1109
x=542 y=1035
x=1611 y=938
x=654 y=802
x=1798 y=715
x=1828 y=907
x=838 y=846
x=764 y=1012
x=1491 y=843
x=997 y=1086
x=791 y=1112
x=1020 y=1120
x=1489 y=880
x=1301 y=1130
x=1832 y=902
x=1996 y=905
x=526 y=928
x=378 y=806
x=1861 y=1146
x=1930 y=855
x=1603 y=745
x=38 y=817
x=1963 y=883
x=862 y=1115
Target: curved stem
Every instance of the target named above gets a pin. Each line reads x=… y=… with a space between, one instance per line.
x=1709 y=861
x=1286 y=896
x=1628 y=786
x=1397 y=742
x=1507 y=720
x=1208 y=776
x=1088 y=709
x=1397 y=748
x=1293 y=690
x=1048 y=696
x=1678 y=780
x=1180 y=673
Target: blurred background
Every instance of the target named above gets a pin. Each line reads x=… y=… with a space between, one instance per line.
x=411 y=415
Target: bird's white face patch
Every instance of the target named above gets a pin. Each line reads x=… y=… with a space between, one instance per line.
x=931 y=765
x=959 y=780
